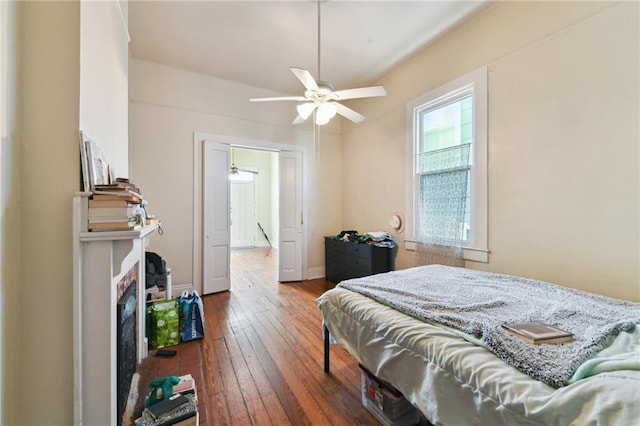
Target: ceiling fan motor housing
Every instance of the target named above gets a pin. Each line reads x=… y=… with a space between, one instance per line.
x=321 y=94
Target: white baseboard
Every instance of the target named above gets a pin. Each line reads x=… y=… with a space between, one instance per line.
x=314 y=273
x=177 y=289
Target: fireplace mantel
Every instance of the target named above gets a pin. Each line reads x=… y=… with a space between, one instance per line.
x=101 y=259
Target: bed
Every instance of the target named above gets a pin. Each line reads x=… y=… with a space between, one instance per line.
x=458 y=372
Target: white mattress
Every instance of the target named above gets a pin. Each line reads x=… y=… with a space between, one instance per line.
x=453 y=381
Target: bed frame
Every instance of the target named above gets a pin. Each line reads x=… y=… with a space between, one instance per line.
x=454 y=381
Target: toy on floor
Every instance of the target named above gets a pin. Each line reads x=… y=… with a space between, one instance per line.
x=160 y=387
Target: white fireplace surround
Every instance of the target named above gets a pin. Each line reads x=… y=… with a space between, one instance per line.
x=101 y=260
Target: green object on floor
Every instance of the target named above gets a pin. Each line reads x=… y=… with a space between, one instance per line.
x=165 y=323
x=164 y=384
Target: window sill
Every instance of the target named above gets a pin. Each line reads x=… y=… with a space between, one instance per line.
x=472 y=254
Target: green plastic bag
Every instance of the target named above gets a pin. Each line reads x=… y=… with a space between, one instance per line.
x=165 y=323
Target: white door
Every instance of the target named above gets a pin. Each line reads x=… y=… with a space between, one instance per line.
x=243 y=214
x=216 y=244
x=290 y=253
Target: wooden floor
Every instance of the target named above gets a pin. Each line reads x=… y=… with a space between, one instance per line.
x=261 y=361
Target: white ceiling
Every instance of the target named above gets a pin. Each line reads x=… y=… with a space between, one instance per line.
x=255 y=42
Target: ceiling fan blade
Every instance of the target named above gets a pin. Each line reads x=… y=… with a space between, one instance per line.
x=298 y=120
x=280 y=98
x=362 y=92
x=349 y=113
x=305 y=78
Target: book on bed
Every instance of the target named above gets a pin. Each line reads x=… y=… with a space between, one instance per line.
x=538 y=333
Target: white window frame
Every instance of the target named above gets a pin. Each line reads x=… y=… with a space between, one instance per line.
x=477 y=248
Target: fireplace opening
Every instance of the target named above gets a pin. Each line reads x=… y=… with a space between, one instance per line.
x=126 y=344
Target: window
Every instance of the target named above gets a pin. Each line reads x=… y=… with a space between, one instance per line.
x=447 y=157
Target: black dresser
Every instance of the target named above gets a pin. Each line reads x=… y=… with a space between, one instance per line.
x=345 y=260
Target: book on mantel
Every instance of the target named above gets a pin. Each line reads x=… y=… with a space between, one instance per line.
x=115 y=203
x=116 y=206
x=114 y=224
x=118 y=186
x=120 y=189
x=95 y=212
x=102 y=195
x=538 y=333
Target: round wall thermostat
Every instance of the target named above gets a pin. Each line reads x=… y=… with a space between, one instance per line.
x=396 y=221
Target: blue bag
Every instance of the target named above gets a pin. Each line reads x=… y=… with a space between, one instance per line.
x=191 y=316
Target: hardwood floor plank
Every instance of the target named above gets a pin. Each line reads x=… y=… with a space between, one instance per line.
x=294 y=371
x=211 y=368
x=337 y=397
x=232 y=391
x=286 y=394
x=262 y=382
x=250 y=393
x=217 y=410
x=333 y=400
x=309 y=321
x=309 y=333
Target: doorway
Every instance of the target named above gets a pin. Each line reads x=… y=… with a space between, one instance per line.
x=254 y=181
x=212 y=214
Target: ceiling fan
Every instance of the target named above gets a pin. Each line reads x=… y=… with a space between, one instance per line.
x=320 y=97
x=234 y=170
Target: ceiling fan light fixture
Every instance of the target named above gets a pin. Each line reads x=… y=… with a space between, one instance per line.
x=305 y=109
x=326 y=111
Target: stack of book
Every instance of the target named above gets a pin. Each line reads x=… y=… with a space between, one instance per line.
x=117 y=206
x=180 y=409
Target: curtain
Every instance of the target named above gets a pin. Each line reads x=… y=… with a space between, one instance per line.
x=442 y=221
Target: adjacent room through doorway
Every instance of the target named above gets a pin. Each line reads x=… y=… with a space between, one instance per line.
x=254 y=212
x=269 y=211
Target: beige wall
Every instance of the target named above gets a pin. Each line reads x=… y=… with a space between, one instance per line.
x=168 y=105
x=9 y=192
x=104 y=80
x=563 y=140
x=49 y=170
x=52 y=98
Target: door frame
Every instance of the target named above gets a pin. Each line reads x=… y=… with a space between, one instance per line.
x=198 y=138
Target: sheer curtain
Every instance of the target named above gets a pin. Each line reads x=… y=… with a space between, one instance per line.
x=442 y=214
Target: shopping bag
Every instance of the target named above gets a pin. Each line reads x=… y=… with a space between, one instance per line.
x=191 y=316
x=165 y=323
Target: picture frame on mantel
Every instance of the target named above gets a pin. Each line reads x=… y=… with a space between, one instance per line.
x=85 y=184
x=95 y=168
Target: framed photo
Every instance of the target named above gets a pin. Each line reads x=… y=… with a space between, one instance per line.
x=96 y=164
x=85 y=184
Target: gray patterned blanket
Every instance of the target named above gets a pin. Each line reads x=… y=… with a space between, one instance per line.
x=478 y=303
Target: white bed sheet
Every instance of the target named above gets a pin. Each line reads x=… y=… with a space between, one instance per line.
x=453 y=381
